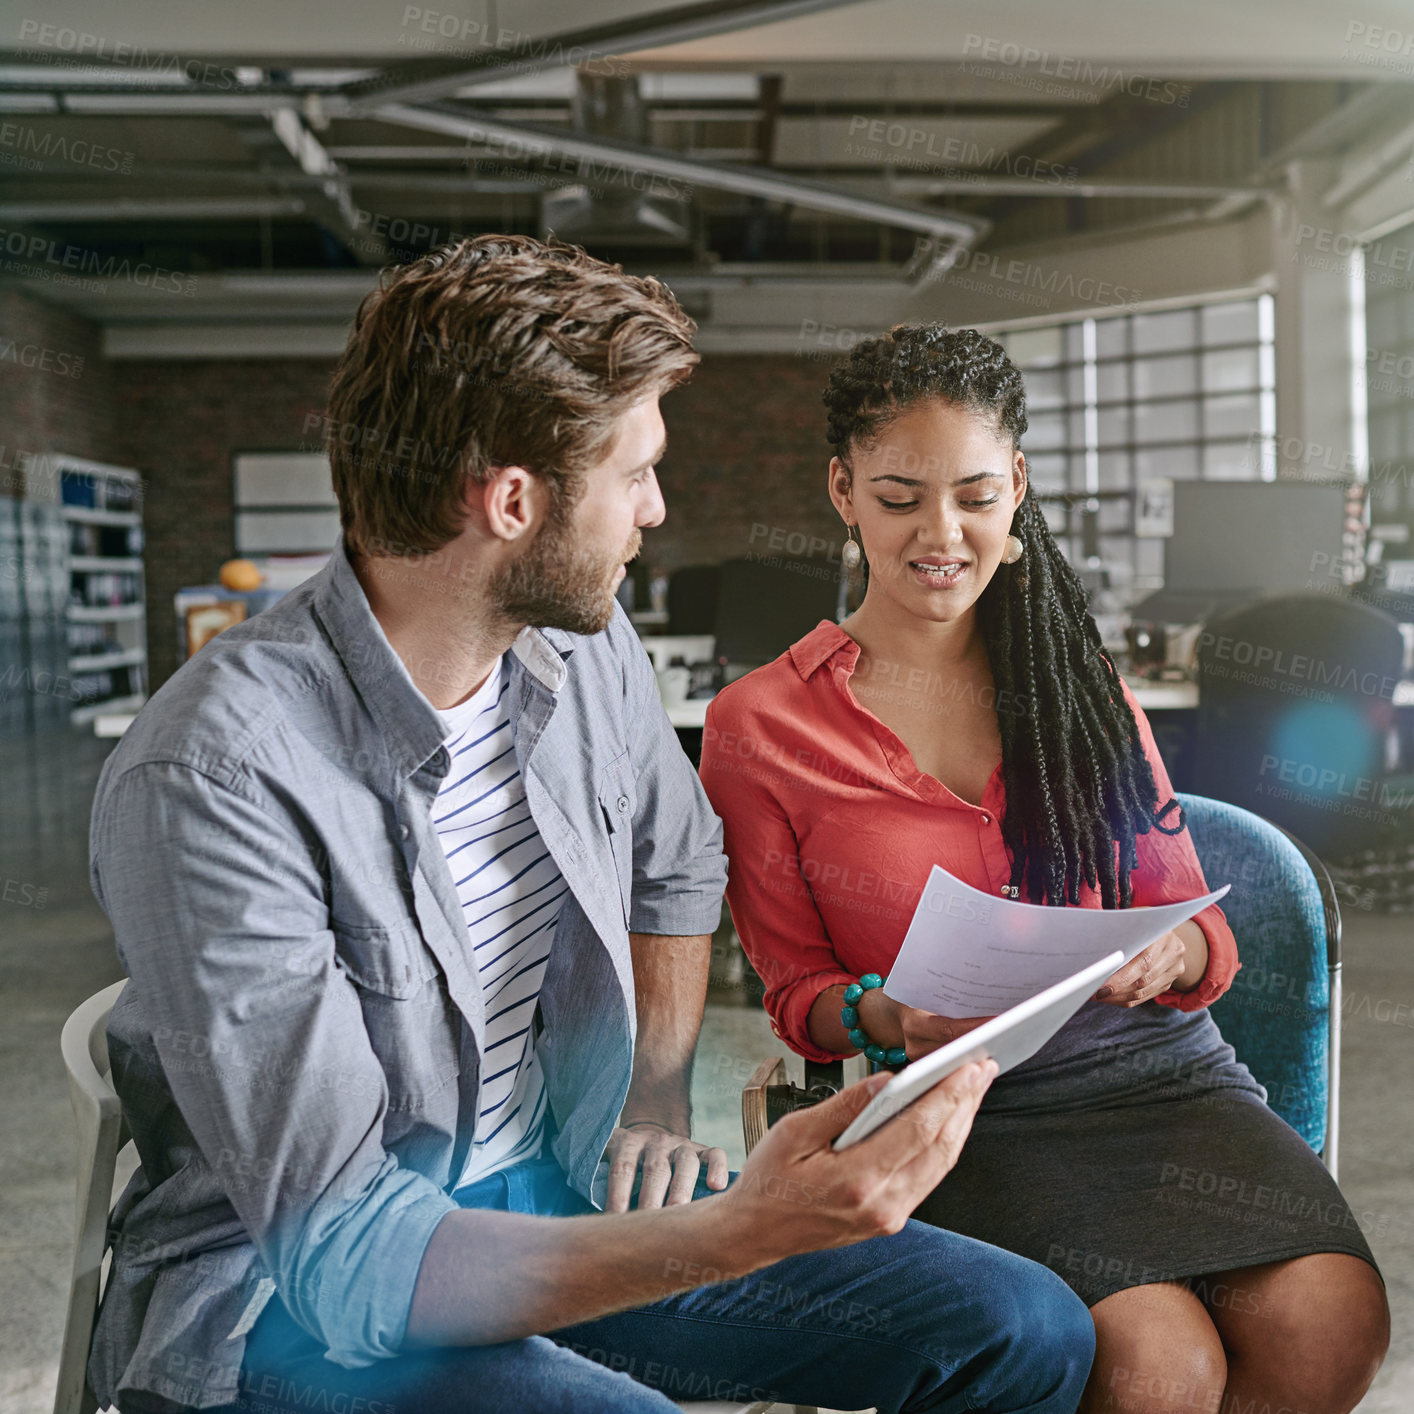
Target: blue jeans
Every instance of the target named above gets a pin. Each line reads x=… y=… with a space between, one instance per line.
x=923 y=1320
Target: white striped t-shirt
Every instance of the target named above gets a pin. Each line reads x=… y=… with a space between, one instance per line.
x=510 y=891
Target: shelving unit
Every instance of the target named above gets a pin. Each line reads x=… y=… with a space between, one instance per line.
x=106 y=612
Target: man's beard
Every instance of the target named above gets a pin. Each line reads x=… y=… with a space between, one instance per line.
x=555 y=584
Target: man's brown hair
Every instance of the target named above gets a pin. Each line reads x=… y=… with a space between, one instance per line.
x=496 y=351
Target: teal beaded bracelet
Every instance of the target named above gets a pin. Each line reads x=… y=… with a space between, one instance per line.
x=858 y=1036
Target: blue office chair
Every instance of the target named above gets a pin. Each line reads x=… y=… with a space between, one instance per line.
x=1282 y=1013
x=1295 y=709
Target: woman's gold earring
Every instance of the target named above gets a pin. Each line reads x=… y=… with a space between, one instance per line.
x=1014 y=550
x=851 y=554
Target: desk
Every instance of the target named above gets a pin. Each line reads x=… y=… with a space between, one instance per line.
x=690 y=647
x=1151 y=696
x=690 y=715
x=1177 y=696
x=1174 y=732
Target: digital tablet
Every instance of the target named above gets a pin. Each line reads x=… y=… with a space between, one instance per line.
x=1008 y=1039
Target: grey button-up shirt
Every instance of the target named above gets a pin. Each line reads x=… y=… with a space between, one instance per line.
x=297 y=1049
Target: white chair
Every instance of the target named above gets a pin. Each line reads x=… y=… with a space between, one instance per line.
x=102 y=1133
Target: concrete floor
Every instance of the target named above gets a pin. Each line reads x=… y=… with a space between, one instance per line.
x=53 y=956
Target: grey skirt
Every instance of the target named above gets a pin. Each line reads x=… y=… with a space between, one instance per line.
x=1114 y=1172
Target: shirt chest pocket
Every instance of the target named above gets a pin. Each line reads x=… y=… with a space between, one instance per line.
x=411 y=1021
x=616 y=803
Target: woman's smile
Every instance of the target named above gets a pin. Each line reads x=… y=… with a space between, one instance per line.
x=938 y=571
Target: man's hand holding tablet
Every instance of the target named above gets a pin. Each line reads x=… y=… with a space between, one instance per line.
x=796 y=1194
x=1008 y=1039
x=801 y=1192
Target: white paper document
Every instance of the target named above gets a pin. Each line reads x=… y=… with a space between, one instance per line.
x=968 y=953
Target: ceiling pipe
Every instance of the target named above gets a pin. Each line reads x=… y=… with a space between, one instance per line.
x=185 y=105
x=1368 y=169
x=525 y=140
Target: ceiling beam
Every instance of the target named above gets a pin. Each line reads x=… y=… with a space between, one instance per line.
x=595 y=44
x=1366 y=111
x=314 y=161
x=153 y=209
x=294 y=162
x=985 y=184
x=1112 y=129
x=62 y=93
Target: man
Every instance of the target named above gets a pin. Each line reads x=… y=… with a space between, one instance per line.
x=400 y=868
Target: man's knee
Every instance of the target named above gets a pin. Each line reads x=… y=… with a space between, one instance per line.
x=570 y=1377
x=1033 y=1338
x=1034 y=1309
x=1065 y=1313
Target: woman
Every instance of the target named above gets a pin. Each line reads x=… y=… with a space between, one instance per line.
x=966 y=715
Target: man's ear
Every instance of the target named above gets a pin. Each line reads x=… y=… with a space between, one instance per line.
x=510 y=501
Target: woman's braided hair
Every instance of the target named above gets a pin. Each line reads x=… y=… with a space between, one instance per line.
x=1079 y=789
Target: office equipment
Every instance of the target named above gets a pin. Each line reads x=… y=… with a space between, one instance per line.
x=1386 y=587
x=764 y=606
x=106 y=587
x=1235 y=541
x=1295 y=708
x=692 y=648
x=233 y=606
x=693 y=591
x=1148 y=646
x=1014 y=1036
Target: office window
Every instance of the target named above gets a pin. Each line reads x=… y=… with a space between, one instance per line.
x=1389 y=399
x=1114 y=402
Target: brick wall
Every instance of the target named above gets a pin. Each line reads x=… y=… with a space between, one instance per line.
x=747 y=460
x=746 y=446
x=56 y=388
x=180 y=424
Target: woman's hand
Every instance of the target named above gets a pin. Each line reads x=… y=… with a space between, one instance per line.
x=1154 y=970
x=918 y=1032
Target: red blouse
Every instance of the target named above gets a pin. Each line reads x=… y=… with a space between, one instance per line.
x=831 y=830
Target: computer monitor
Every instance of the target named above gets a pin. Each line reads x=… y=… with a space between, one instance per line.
x=1257 y=535
x=763 y=607
x=1234 y=541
